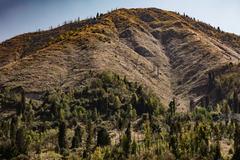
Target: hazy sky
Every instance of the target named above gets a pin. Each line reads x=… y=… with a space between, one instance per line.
x=21 y=16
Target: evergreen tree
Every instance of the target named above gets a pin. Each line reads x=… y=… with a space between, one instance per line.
x=77 y=138
x=62 y=139
x=226 y=112
x=148 y=133
x=23 y=101
x=236 y=154
x=236 y=102
x=103 y=138
x=202 y=139
x=21 y=105
x=211 y=81
x=28 y=115
x=22 y=142
x=89 y=140
x=95 y=116
x=192 y=105
x=98 y=15
x=134 y=100
x=173 y=145
x=127 y=140
x=217 y=152
x=19 y=109
x=132 y=114
x=13 y=129
x=117 y=102
x=172 y=107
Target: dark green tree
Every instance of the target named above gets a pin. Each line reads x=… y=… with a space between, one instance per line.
x=103 y=138
x=172 y=107
x=236 y=154
x=13 y=129
x=191 y=105
x=98 y=15
x=95 y=116
x=62 y=139
x=89 y=140
x=173 y=145
x=77 y=138
x=134 y=100
x=127 y=140
x=217 y=152
x=22 y=141
x=211 y=81
x=148 y=133
x=28 y=114
x=134 y=147
x=236 y=102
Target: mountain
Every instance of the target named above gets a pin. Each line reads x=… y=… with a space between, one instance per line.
x=172 y=54
x=119 y=86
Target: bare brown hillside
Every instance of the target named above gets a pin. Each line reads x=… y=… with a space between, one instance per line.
x=169 y=53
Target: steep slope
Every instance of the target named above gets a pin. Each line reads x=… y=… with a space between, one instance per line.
x=169 y=53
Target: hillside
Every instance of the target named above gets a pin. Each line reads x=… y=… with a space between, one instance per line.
x=167 y=52
x=132 y=84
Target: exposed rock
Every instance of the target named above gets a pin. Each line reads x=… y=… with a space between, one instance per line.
x=143 y=51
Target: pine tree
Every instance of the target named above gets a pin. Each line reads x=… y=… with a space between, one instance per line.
x=132 y=114
x=202 y=139
x=98 y=15
x=148 y=133
x=117 y=102
x=95 y=116
x=134 y=100
x=13 y=129
x=23 y=101
x=236 y=102
x=211 y=81
x=172 y=107
x=103 y=138
x=22 y=142
x=192 y=105
x=173 y=145
x=62 y=139
x=20 y=109
x=226 y=112
x=134 y=147
x=236 y=154
x=127 y=140
x=28 y=114
x=217 y=152
x=77 y=138
x=89 y=140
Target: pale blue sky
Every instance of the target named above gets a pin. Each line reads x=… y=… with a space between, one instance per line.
x=21 y=16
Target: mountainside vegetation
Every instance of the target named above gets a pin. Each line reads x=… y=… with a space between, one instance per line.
x=129 y=84
x=111 y=118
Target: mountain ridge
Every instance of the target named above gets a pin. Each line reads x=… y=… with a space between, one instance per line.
x=170 y=53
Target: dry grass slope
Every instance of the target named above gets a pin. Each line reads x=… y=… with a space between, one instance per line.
x=169 y=53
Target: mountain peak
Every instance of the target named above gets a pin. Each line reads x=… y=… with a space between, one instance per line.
x=170 y=53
